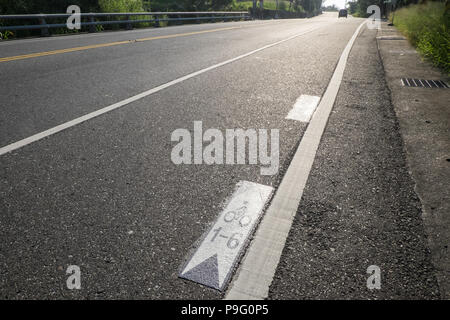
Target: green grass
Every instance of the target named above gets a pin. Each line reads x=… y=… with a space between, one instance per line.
x=270 y=5
x=427 y=28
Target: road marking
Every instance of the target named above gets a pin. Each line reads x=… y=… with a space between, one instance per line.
x=48 y=53
x=185 y=34
x=303 y=108
x=213 y=261
x=110 y=44
x=74 y=122
x=256 y=272
x=241 y=24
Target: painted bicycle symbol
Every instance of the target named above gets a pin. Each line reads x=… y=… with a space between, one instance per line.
x=238 y=215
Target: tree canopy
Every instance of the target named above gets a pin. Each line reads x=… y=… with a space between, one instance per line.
x=59 y=6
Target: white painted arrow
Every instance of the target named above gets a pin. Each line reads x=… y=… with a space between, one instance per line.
x=219 y=251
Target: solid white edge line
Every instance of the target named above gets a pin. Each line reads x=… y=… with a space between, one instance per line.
x=76 y=121
x=258 y=267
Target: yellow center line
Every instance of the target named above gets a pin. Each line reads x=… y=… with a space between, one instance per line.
x=185 y=34
x=110 y=44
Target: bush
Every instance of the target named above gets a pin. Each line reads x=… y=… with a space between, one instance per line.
x=427 y=28
x=5 y=35
x=270 y=5
x=121 y=5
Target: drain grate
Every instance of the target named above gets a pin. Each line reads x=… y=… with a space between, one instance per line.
x=409 y=82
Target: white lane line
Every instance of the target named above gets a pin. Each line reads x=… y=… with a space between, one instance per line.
x=215 y=258
x=256 y=272
x=74 y=122
x=303 y=108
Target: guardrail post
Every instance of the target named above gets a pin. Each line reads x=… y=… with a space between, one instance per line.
x=179 y=22
x=92 y=27
x=44 y=31
x=156 y=22
x=129 y=26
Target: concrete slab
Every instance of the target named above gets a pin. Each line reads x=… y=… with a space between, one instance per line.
x=424 y=118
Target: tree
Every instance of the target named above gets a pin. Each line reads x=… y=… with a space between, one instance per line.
x=352 y=7
x=331 y=8
x=44 y=6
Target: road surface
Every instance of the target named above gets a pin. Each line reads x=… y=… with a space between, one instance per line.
x=104 y=194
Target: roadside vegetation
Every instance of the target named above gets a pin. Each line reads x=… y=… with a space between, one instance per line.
x=236 y=5
x=427 y=26
x=425 y=23
x=281 y=8
x=268 y=4
x=60 y=6
x=358 y=8
x=331 y=8
x=272 y=8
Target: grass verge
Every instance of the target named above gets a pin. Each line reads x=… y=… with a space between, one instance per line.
x=427 y=26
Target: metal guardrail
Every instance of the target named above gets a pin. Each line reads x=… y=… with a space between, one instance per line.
x=92 y=23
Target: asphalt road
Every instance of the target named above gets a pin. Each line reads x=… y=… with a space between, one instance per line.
x=104 y=194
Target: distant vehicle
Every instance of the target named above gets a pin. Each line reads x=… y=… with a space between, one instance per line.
x=342 y=13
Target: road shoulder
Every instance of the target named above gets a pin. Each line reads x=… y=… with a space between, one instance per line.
x=359 y=208
x=424 y=118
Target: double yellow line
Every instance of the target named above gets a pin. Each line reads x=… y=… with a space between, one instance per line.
x=110 y=44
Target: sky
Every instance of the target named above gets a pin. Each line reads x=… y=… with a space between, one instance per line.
x=339 y=3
